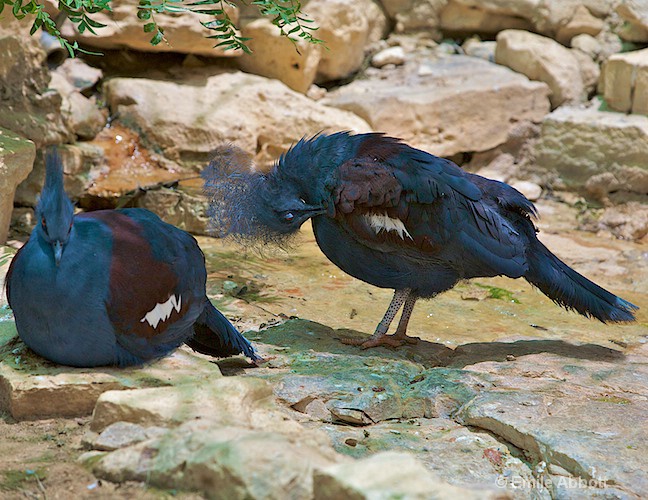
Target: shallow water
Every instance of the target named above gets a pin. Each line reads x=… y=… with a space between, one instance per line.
x=302 y=282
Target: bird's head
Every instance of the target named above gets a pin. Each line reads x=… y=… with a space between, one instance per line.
x=55 y=212
x=271 y=207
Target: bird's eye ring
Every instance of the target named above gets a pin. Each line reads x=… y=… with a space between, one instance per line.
x=288 y=216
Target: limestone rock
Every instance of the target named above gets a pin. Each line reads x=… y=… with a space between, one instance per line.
x=529 y=189
x=226 y=401
x=588 y=45
x=32 y=388
x=123 y=29
x=122 y=434
x=635 y=14
x=386 y=475
x=274 y=56
x=79 y=74
x=628 y=221
x=582 y=22
x=578 y=144
x=272 y=119
x=541 y=58
x=223 y=462
x=184 y=206
x=391 y=55
x=476 y=48
x=16 y=161
x=452 y=105
x=552 y=15
x=28 y=106
x=347 y=27
x=470 y=16
x=625 y=82
x=82 y=114
x=413 y=15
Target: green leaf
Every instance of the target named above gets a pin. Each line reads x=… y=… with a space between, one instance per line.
x=144 y=15
x=159 y=36
x=149 y=27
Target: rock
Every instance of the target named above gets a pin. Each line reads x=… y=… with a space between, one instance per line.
x=274 y=56
x=122 y=434
x=392 y=55
x=552 y=15
x=476 y=48
x=316 y=93
x=16 y=161
x=33 y=388
x=625 y=82
x=81 y=114
x=27 y=105
x=582 y=22
x=470 y=16
x=448 y=106
x=347 y=28
x=79 y=74
x=635 y=15
x=386 y=475
x=223 y=462
x=542 y=394
x=414 y=15
x=628 y=221
x=541 y=58
x=529 y=189
x=588 y=45
x=620 y=182
x=183 y=32
x=501 y=168
x=184 y=206
x=82 y=163
x=222 y=401
x=448 y=451
x=590 y=71
x=272 y=119
x=578 y=144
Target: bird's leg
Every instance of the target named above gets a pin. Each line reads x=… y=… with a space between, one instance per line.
x=380 y=336
x=401 y=330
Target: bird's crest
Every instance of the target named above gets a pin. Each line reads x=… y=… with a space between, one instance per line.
x=54 y=207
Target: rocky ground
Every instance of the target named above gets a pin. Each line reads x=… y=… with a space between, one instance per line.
x=504 y=396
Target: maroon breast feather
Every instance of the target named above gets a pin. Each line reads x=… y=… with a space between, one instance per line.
x=143 y=297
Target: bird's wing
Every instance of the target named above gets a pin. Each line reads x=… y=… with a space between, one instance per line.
x=157 y=281
x=407 y=201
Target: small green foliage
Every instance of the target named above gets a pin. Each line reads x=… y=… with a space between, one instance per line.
x=613 y=399
x=286 y=16
x=15 y=479
x=495 y=292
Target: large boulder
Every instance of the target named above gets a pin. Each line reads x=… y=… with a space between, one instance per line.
x=581 y=145
x=474 y=16
x=27 y=105
x=274 y=56
x=412 y=15
x=183 y=32
x=347 y=27
x=260 y=115
x=16 y=161
x=446 y=106
x=625 y=82
x=541 y=58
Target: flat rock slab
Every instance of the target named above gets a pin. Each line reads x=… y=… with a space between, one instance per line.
x=32 y=387
x=581 y=144
x=446 y=106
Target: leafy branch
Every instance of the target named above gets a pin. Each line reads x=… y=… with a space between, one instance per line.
x=286 y=16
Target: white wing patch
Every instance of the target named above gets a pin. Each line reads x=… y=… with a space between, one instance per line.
x=161 y=312
x=383 y=222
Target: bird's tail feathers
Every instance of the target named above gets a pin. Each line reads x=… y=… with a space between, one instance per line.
x=573 y=291
x=216 y=336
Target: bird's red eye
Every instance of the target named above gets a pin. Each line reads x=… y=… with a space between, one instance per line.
x=288 y=217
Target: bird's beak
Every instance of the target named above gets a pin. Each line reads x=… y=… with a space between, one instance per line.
x=58 y=252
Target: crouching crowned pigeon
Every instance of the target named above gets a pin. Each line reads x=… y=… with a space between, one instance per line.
x=397 y=217
x=112 y=287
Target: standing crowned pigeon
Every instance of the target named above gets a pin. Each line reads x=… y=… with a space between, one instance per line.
x=112 y=287
x=398 y=217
